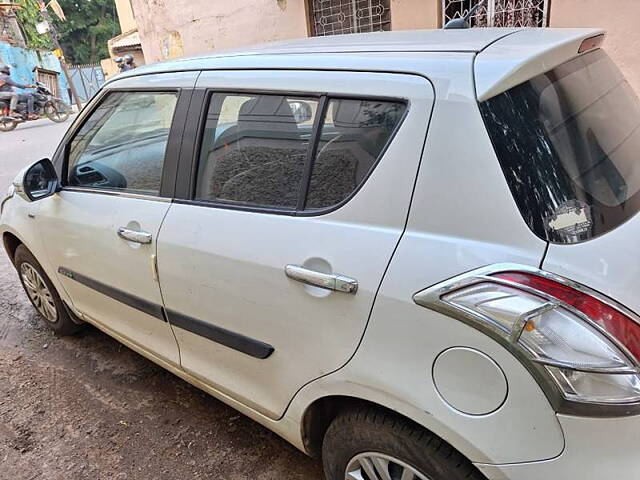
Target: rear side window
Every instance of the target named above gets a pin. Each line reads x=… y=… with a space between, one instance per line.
x=290 y=152
x=122 y=145
x=353 y=136
x=568 y=142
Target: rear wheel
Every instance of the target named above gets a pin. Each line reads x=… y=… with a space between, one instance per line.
x=376 y=466
x=42 y=293
x=58 y=112
x=7 y=124
x=371 y=444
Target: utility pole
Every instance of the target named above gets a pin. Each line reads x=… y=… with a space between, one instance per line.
x=63 y=63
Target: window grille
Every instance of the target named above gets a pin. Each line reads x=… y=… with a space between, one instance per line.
x=334 y=17
x=499 y=13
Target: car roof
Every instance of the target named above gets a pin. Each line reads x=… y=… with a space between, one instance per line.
x=465 y=40
x=504 y=55
x=468 y=40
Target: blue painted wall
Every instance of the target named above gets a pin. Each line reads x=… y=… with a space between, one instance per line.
x=22 y=62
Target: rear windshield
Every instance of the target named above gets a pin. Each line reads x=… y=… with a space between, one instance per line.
x=568 y=142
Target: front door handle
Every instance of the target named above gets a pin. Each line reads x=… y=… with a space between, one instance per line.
x=134 y=235
x=336 y=282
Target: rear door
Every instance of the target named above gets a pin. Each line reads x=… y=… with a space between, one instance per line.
x=300 y=187
x=101 y=229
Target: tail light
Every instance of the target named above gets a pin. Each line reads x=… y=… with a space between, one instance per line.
x=621 y=327
x=583 y=344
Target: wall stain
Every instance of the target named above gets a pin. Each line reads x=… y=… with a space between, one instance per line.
x=171 y=46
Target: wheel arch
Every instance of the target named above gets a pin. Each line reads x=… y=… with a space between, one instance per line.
x=319 y=415
x=321 y=412
x=11 y=243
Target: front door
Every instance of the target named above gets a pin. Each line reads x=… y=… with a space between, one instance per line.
x=101 y=229
x=270 y=266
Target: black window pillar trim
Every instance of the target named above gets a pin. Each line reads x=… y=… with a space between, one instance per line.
x=316 y=134
x=174 y=146
x=194 y=124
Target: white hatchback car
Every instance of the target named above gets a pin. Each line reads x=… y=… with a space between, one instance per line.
x=411 y=252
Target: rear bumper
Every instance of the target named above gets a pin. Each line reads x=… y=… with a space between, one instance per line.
x=596 y=449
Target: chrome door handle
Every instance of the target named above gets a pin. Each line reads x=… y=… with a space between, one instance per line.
x=134 y=235
x=336 y=282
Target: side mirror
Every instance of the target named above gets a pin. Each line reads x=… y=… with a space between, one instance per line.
x=39 y=181
x=301 y=111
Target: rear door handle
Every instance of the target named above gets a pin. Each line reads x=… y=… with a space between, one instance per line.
x=134 y=235
x=335 y=282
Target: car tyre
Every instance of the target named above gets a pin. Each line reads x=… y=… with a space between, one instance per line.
x=363 y=442
x=42 y=294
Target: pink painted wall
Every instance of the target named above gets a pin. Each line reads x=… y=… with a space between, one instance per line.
x=415 y=14
x=618 y=17
x=173 y=28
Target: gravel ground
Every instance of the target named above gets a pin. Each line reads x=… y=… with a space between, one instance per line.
x=86 y=407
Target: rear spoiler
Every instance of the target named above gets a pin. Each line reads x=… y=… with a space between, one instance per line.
x=516 y=58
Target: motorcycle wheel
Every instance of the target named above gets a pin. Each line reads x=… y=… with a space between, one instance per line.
x=58 y=112
x=6 y=124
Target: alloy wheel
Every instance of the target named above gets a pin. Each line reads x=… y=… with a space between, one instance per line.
x=377 y=466
x=38 y=292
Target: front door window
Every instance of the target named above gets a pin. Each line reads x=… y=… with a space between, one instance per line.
x=122 y=145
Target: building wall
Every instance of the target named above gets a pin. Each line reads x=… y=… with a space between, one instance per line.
x=173 y=28
x=618 y=17
x=22 y=62
x=125 y=15
x=13 y=34
x=415 y=14
x=109 y=68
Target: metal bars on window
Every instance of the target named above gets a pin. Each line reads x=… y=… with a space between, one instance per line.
x=334 y=17
x=499 y=13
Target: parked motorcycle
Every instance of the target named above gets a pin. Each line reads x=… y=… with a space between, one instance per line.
x=45 y=104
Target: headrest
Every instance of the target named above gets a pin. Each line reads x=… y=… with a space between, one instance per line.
x=269 y=112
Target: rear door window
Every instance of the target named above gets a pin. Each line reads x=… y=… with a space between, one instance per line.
x=568 y=142
x=290 y=152
x=353 y=136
